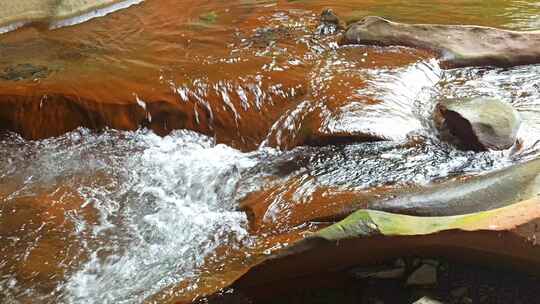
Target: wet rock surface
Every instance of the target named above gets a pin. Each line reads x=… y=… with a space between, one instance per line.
x=478 y=123
x=457 y=45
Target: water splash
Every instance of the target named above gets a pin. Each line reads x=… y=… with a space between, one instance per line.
x=405 y=101
x=164 y=206
x=519 y=86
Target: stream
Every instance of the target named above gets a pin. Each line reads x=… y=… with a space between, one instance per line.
x=272 y=114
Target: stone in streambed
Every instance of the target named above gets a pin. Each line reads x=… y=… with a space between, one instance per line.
x=478 y=124
x=424 y=275
x=329 y=22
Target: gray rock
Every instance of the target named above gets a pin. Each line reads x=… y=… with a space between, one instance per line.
x=328 y=16
x=424 y=275
x=474 y=194
x=478 y=124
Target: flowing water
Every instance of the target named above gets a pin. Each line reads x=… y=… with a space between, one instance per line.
x=270 y=114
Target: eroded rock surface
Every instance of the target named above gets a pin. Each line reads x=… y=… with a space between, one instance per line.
x=458 y=45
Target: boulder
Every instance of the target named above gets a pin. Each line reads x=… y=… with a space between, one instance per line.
x=478 y=123
x=458 y=45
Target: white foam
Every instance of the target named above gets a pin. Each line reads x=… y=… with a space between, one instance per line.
x=174 y=205
x=12 y=27
x=94 y=14
x=163 y=204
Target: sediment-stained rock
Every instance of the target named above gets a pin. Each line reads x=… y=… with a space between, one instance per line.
x=458 y=45
x=479 y=123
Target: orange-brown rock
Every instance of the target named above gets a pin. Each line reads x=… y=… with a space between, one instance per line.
x=38 y=242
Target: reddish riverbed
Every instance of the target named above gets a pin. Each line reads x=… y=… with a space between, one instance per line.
x=115 y=213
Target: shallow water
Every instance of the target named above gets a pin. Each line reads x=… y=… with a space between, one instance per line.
x=273 y=113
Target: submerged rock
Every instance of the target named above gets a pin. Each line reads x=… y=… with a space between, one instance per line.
x=24 y=71
x=479 y=123
x=458 y=45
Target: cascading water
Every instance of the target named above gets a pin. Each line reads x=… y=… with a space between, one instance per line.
x=164 y=205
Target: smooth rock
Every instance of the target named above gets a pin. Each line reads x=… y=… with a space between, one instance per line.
x=328 y=16
x=461 y=196
x=506 y=237
x=457 y=45
x=479 y=124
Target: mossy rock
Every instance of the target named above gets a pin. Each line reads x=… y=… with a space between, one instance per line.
x=368 y=223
